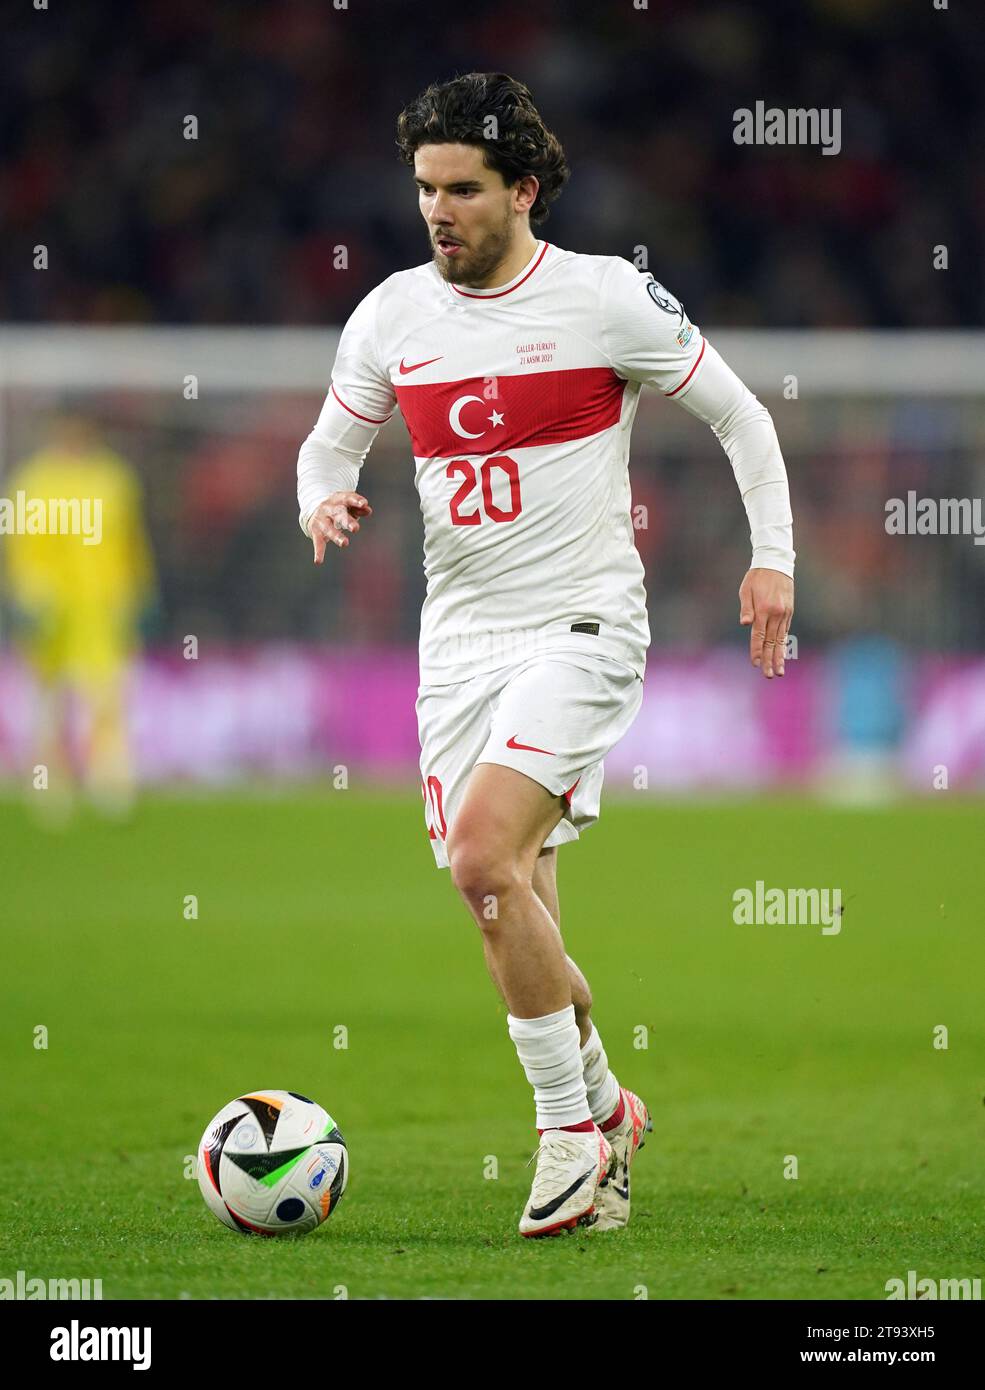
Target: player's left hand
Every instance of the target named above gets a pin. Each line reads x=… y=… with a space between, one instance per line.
x=766 y=602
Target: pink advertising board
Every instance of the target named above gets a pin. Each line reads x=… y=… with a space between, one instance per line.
x=707 y=721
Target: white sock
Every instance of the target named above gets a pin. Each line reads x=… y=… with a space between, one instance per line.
x=549 y=1052
x=601 y=1087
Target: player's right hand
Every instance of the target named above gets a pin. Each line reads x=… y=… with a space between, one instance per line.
x=335 y=519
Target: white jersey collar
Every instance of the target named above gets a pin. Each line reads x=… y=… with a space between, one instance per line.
x=497 y=292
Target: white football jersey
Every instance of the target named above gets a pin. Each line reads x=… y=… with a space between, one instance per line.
x=519 y=402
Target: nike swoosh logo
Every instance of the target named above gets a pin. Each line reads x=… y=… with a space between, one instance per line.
x=551 y=1208
x=623 y=1192
x=528 y=747
x=415 y=365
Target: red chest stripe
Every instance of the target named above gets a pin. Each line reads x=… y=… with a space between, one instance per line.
x=462 y=417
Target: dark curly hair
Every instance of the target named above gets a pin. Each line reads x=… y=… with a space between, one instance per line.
x=457 y=112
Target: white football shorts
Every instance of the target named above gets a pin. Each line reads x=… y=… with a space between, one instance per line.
x=551 y=717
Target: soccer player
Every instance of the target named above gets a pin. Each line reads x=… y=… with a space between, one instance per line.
x=517 y=367
x=77 y=600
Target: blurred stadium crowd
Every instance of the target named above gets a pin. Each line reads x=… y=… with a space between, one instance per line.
x=296 y=105
x=233 y=567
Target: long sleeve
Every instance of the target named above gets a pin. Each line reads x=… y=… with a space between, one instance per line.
x=649 y=339
x=745 y=430
x=360 y=400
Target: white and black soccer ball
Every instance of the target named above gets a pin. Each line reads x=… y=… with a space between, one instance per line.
x=272 y=1163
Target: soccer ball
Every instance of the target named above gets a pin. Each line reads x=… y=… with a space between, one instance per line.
x=272 y=1163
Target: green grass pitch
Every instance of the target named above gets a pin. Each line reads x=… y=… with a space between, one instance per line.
x=324 y=909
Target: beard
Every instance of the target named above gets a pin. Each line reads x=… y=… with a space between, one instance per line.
x=474 y=264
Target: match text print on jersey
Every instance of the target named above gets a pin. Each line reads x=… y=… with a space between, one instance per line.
x=465 y=469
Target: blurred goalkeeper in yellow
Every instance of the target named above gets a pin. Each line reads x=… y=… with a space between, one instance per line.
x=79 y=576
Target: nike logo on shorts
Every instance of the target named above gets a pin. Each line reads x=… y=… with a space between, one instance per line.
x=528 y=747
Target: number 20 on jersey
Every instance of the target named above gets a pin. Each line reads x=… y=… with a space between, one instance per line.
x=469 y=504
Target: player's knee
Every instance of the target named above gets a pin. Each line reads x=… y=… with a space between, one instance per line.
x=482 y=874
x=582 y=1000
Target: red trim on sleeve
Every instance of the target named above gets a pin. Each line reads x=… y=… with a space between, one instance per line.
x=367 y=418
x=690 y=374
